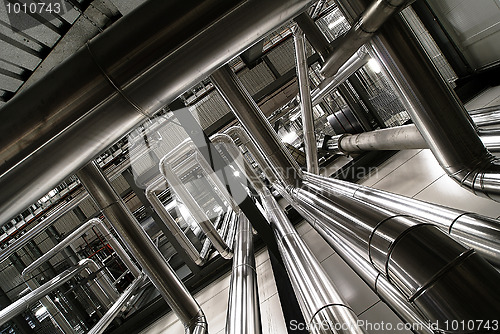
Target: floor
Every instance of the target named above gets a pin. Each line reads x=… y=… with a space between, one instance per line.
x=428 y=182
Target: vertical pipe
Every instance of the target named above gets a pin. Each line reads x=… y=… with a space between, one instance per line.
x=306 y=107
x=323 y=307
x=243 y=315
x=254 y=121
x=142 y=247
x=314 y=35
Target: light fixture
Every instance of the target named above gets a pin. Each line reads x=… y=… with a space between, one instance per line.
x=374 y=66
x=290 y=137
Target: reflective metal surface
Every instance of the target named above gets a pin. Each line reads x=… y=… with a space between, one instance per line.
x=310 y=146
x=486 y=116
x=98 y=124
x=314 y=35
x=479 y=232
x=22 y=303
x=318 y=297
x=361 y=31
x=143 y=249
x=243 y=315
x=167 y=165
x=186 y=244
x=257 y=125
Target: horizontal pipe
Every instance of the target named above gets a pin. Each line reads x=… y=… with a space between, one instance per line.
x=479 y=232
x=23 y=303
x=114 y=310
x=178 y=65
x=319 y=299
x=243 y=315
x=361 y=32
x=365 y=270
x=186 y=244
x=143 y=249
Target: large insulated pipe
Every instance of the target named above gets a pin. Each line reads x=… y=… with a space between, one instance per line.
x=479 y=232
x=322 y=305
x=167 y=219
x=432 y=270
x=254 y=121
x=167 y=165
x=306 y=107
x=361 y=32
x=243 y=315
x=24 y=302
x=365 y=270
x=143 y=249
x=398 y=138
x=436 y=110
x=174 y=51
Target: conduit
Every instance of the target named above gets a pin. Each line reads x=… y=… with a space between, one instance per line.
x=23 y=303
x=324 y=309
x=479 y=232
x=243 y=316
x=143 y=249
x=151 y=56
x=361 y=32
x=310 y=147
x=432 y=275
x=398 y=138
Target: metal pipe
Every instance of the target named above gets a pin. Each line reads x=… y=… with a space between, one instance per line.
x=178 y=65
x=24 y=302
x=358 y=60
x=238 y=133
x=167 y=165
x=361 y=32
x=310 y=147
x=323 y=307
x=114 y=310
x=144 y=250
x=238 y=158
x=314 y=35
x=243 y=315
x=167 y=219
x=431 y=275
x=254 y=121
x=479 y=232
x=398 y=138
x=486 y=116
x=365 y=270
x=436 y=111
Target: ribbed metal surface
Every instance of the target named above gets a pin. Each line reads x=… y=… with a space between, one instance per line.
x=257 y=78
x=67 y=223
x=283 y=57
x=120 y=184
x=212 y=107
x=88 y=207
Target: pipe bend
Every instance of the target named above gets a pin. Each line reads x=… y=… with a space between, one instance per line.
x=197 y=325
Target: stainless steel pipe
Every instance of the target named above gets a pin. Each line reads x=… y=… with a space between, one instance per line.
x=479 y=232
x=365 y=270
x=143 y=249
x=361 y=32
x=314 y=35
x=243 y=315
x=322 y=305
x=122 y=55
x=167 y=219
x=306 y=107
x=254 y=121
x=23 y=303
x=433 y=275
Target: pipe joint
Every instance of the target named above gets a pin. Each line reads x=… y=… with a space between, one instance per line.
x=326 y=319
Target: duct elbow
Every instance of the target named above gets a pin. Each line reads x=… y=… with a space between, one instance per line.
x=198 y=324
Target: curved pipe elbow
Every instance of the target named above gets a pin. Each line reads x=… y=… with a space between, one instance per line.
x=198 y=325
